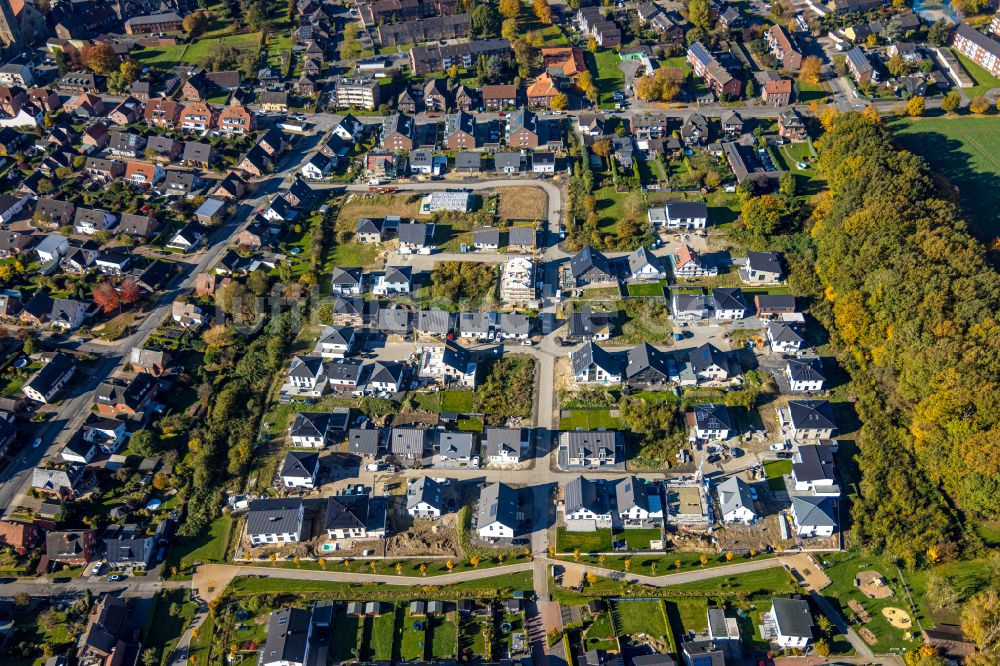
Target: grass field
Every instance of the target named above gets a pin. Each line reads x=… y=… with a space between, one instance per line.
x=588 y=542
x=207 y=547
x=589 y=419
x=523 y=203
x=640 y=617
x=776 y=470
x=646 y=289
x=167 y=57
x=810 y=91
x=413 y=639
x=383 y=636
x=967 y=151
x=442 y=636
x=608 y=77
x=983 y=79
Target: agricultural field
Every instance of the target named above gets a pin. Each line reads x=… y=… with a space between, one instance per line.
x=523 y=203
x=967 y=151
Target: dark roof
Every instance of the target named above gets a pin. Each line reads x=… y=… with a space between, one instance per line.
x=270 y=516
x=582 y=493
x=805 y=371
x=591 y=353
x=729 y=299
x=812 y=414
x=363 y=441
x=287 y=636
x=300 y=464
x=792 y=617
x=497 y=503
x=707 y=355
x=588 y=258
x=712 y=417
x=347 y=512
x=645 y=356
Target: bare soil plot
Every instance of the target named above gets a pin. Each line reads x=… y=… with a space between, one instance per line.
x=523 y=203
x=356 y=206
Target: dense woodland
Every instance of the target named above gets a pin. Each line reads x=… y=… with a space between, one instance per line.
x=911 y=301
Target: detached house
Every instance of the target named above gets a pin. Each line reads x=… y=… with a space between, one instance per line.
x=272 y=521
x=496 y=517
x=709 y=364
x=299 y=469
x=804 y=375
x=592 y=364
x=590 y=267
x=506 y=446
x=735 y=501
x=425 y=498
x=710 y=422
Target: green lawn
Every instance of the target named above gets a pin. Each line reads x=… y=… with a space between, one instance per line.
x=647 y=289
x=165 y=629
x=638 y=539
x=600 y=634
x=776 y=470
x=454 y=400
x=984 y=81
x=165 y=57
x=640 y=617
x=589 y=419
x=608 y=77
x=443 y=637
x=412 y=644
x=276 y=46
x=347 y=636
x=965 y=149
x=610 y=207
x=765 y=581
x=597 y=541
x=404 y=591
x=354 y=254
x=207 y=547
x=809 y=91
x=383 y=636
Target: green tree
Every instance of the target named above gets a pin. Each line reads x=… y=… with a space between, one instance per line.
x=485 y=22
x=762 y=215
x=143 y=443
x=786 y=185
x=939 y=34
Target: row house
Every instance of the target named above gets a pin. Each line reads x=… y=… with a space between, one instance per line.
x=439 y=57
x=784 y=48
x=594 y=23
x=163 y=113
x=453 y=26
x=716 y=76
x=197 y=117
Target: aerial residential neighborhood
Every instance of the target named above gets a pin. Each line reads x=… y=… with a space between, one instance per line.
x=496 y=332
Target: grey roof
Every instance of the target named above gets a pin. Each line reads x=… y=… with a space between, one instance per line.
x=775 y=301
x=512 y=323
x=394 y=320
x=686 y=209
x=814 y=463
x=344 y=370
x=812 y=414
x=456 y=444
x=631 y=491
x=591 y=443
x=486 y=236
x=506 y=161
x=337 y=335
x=307 y=366
x=195 y=151
x=415 y=233
x=804 y=371
x=390 y=372
x=729 y=299
x=582 y=324
x=703 y=653
x=408 y=441
x=705 y=356
x=689 y=303
x=764 y=261
x=300 y=464
x=497 y=503
x=781 y=332
x=859 y=61
x=421 y=158
x=642 y=257
x=287 y=636
x=126 y=548
x=813 y=511
x=498 y=440
x=712 y=417
x=645 y=356
x=347 y=277
x=363 y=441
x=592 y=353
x=273 y=516
x=347 y=512
x=522 y=236
x=455 y=356
x=582 y=493
x=310 y=424
x=399 y=274
x=792 y=617
x=475 y=322
x=435 y=321
x=588 y=258
x=734 y=493
x=427 y=490
x=468 y=160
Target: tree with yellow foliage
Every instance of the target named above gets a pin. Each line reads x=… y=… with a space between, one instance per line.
x=810 y=70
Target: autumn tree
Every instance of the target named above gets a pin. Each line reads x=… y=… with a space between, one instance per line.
x=981 y=619
x=195 y=23
x=951 y=101
x=130 y=291
x=543 y=11
x=698 y=14
x=508 y=31
x=602 y=148
x=762 y=215
x=99 y=58
x=510 y=8
x=979 y=105
x=106 y=296
x=658 y=86
x=897 y=66
x=810 y=70
x=559 y=102
x=915 y=106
